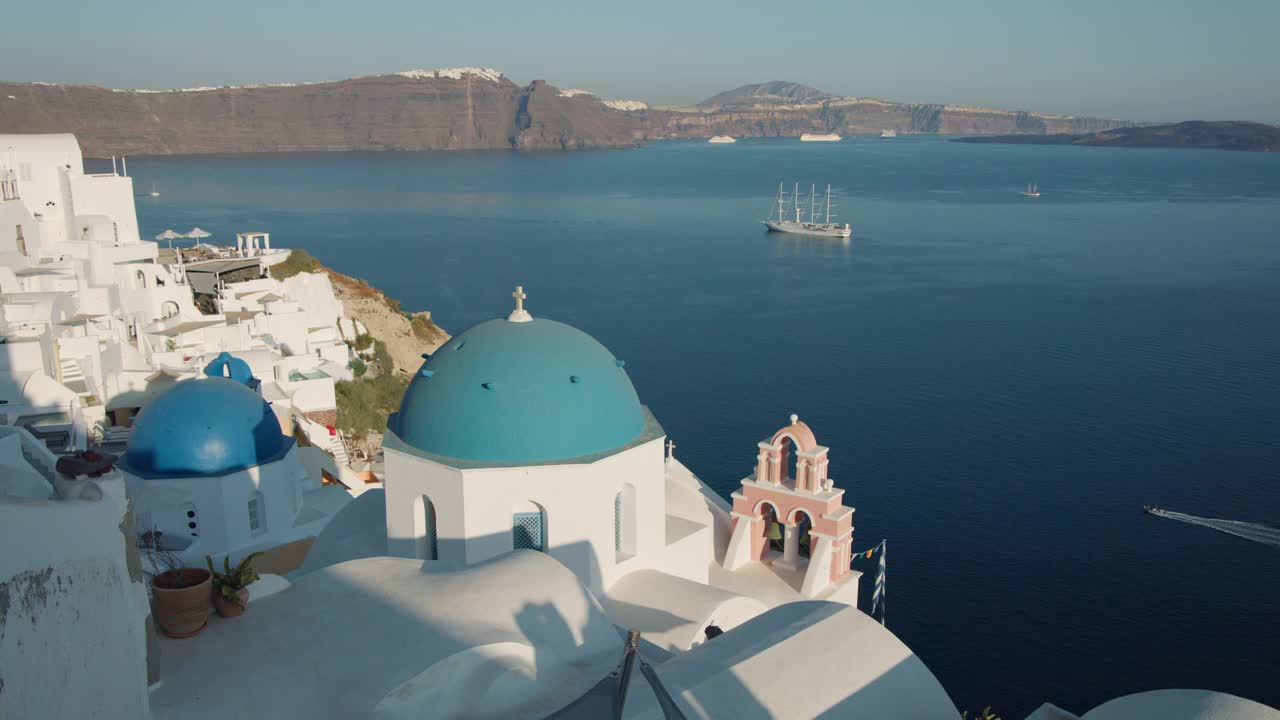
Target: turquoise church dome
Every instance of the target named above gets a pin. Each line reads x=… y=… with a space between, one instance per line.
x=204 y=427
x=519 y=392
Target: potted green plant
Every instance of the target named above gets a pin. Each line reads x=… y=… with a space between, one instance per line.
x=179 y=595
x=231 y=587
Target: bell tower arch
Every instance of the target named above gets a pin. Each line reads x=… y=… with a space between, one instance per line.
x=804 y=501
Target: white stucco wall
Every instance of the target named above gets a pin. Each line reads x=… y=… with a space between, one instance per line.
x=288 y=326
x=14 y=213
x=314 y=293
x=111 y=196
x=44 y=165
x=21 y=357
x=72 y=616
x=474 y=509
x=221 y=507
x=413 y=479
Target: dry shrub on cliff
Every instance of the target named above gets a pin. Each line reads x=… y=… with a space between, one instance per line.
x=299 y=261
x=424 y=329
x=363 y=405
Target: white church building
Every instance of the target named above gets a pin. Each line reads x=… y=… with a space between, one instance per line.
x=526 y=433
x=211 y=472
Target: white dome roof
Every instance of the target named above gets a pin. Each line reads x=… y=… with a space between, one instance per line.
x=1181 y=705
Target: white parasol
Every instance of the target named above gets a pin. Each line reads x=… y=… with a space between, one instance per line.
x=170 y=236
x=197 y=233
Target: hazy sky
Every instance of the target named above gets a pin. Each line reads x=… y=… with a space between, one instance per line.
x=1134 y=59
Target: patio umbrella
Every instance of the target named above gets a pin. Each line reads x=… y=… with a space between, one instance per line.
x=169 y=235
x=197 y=233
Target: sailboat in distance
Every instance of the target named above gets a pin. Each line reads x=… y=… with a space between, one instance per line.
x=1032 y=191
x=800 y=225
x=154 y=192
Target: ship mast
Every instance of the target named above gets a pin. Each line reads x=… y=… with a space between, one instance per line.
x=812 y=197
x=795 y=200
x=780 y=201
x=828 y=204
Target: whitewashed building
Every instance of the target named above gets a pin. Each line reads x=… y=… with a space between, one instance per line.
x=95 y=320
x=212 y=474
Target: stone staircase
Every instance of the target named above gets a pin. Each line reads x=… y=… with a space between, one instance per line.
x=56 y=440
x=338 y=449
x=73 y=376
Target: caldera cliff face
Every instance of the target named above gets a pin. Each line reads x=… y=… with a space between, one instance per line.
x=465 y=109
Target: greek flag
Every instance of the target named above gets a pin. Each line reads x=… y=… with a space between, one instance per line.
x=877 y=597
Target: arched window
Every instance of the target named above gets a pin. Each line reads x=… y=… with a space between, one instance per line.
x=169 y=309
x=424 y=529
x=141 y=277
x=529 y=528
x=624 y=522
x=257 y=514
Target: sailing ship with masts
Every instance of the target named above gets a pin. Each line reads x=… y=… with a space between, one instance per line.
x=802 y=225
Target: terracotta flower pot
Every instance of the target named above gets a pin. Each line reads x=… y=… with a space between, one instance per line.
x=229 y=609
x=180 y=601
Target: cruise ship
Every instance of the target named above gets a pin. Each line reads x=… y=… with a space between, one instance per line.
x=820 y=137
x=887 y=134
x=722 y=140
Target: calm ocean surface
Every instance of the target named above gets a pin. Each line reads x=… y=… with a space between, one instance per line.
x=1003 y=382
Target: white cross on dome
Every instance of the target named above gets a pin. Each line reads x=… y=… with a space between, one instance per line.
x=519 y=314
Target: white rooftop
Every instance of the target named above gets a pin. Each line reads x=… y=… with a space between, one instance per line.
x=518 y=637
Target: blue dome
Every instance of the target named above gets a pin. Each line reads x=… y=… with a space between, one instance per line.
x=206 y=426
x=519 y=392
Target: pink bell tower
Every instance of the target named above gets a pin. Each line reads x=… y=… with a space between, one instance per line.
x=805 y=497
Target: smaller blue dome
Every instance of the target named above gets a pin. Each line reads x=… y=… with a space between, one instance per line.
x=228 y=365
x=204 y=427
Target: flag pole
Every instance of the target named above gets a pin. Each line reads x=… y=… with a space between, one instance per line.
x=880 y=583
x=878 y=593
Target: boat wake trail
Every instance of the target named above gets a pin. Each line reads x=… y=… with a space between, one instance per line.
x=1249 y=531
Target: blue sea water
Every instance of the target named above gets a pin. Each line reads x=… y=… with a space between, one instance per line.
x=1003 y=382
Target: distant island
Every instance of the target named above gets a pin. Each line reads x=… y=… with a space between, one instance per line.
x=1197 y=134
x=469 y=108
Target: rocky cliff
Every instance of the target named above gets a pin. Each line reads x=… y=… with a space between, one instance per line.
x=465 y=109
x=787 y=109
x=415 y=110
x=1195 y=134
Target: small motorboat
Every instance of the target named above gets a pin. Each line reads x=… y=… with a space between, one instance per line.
x=1152 y=509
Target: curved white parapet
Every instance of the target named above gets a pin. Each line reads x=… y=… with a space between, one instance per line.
x=1181 y=704
x=801 y=660
x=500 y=680
x=673 y=612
